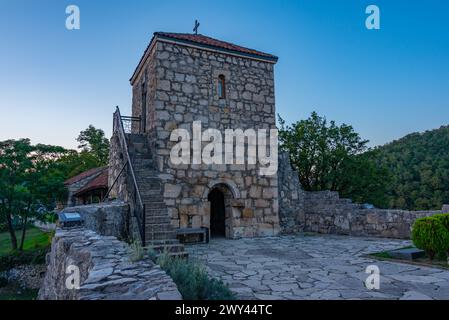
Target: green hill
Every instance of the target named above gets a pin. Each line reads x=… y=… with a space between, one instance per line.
x=419 y=165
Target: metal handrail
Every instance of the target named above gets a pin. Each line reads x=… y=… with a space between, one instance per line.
x=113 y=183
x=122 y=139
x=118 y=126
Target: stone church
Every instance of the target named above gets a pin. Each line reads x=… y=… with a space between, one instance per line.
x=182 y=78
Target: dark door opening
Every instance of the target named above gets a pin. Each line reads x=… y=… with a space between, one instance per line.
x=217 y=213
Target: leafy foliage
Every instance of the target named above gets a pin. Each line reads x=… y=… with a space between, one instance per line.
x=420 y=163
x=32 y=177
x=193 y=281
x=136 y=251
x=93 y=142
x=430 y=235
x=331 y=157
x=31 y=182
x=444 y=219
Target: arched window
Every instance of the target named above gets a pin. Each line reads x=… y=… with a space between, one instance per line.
x=221 y=87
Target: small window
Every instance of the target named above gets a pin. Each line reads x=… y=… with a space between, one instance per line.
x=221 y=88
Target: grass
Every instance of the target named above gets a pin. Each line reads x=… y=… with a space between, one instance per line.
x=425 y=261
x=34 y=248
x=34 y=239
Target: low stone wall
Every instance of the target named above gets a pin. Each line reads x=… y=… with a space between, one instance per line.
x=326 y=212
x=108 y=218
x=105 y=269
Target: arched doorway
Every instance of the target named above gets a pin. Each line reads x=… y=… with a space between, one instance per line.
x=217 y=213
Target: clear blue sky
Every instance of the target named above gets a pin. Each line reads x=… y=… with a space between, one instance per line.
x=386 y=83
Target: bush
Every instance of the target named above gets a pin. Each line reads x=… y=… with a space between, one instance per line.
x=136 y=251
x=430 y=235
x=192 y=280
x=18 y=258
x=444 y=219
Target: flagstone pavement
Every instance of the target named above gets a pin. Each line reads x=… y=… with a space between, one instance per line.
x=316 y=267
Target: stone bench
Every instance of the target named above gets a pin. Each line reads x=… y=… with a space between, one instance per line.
x=183 y=233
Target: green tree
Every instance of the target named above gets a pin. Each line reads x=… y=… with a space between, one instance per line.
x=31 y=181
x=73 y=162
x=94 y=142
x=420 y=166
x=330 y=157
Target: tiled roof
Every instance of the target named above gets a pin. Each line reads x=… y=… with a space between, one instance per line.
x=211 y=42
x=206 y=42
x=99 y=182
x=83 y=175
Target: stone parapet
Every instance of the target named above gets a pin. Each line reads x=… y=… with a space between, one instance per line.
x=107 y=218
x=106 y=271
x=326 y=212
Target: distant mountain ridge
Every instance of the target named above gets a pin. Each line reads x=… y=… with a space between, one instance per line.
x=419 y=164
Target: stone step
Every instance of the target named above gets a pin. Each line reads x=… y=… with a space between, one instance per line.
x=140 y=154
x=156 y=203
x=148 y=194
x=136 y=137
x=164 y=227
x=152 y=198
x=150 y=183
x=138 y=162
x=159 y=235
x=143 y=175
x=152 y=190
x=157 y=219
x=154 y=212
x=136 y=145
x=146 y=171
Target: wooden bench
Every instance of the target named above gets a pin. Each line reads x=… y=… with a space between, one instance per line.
x=183 y=233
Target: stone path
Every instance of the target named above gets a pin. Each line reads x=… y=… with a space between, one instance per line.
x=316 y=267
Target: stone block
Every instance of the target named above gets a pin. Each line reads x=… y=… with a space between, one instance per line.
x=247 y=213
x=261 y=203
x=255 y=191
x=172 y=190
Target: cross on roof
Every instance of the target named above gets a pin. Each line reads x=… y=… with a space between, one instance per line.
x=195 y=29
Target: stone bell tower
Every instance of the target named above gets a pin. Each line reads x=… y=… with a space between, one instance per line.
x=182 y=78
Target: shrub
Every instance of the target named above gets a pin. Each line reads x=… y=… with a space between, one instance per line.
x=192 y=280
x=136 y=251
x=444 y=219
x=430 y=235
x=18 y=258
x=152 y=254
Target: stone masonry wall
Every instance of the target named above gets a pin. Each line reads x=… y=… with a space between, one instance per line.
x=326 y=212
x=115 y=166
x=107 y=218
x=181 y=88
x=106 y=272
x=291 y=197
